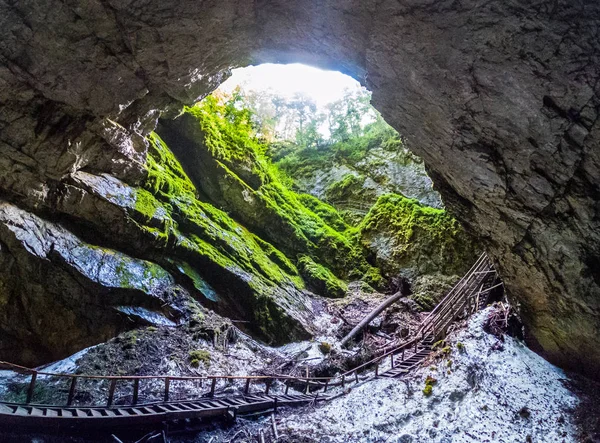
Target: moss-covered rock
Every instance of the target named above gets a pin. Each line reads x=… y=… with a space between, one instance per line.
x=407 y=237
x=241 y=180
x=321 y=279
x=429 y=289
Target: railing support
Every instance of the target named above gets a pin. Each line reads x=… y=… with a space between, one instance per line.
x=136 y=391
x=247 y=387
x=72 y=391
x=167 y=388
x=31 y=388
x=343 y=380
x=111 y=392
x=268 y=386
x=213 y=385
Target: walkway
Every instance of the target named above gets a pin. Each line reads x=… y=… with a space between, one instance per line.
x=466 y=297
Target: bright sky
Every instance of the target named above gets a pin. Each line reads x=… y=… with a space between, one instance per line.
x=322 y=86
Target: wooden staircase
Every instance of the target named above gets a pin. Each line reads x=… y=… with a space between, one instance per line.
x=466 y=297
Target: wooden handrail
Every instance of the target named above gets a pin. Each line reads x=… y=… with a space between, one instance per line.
x=447 y=311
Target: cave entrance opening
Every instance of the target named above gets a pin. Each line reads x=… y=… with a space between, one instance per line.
x=299 y=157
x=325 y=138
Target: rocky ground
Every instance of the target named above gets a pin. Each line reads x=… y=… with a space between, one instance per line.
x=213 y=345
x=485 y=388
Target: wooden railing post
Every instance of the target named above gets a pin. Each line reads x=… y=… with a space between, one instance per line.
x=326 y=384
x=392 y=358
x=268 y=386
x=136 y=391
x=247 y=387
x=167 y=388
x=343 y=380
x=111 y=392
x=213 y=385
x=31 y=388
x=72 y=391
x=287 y=387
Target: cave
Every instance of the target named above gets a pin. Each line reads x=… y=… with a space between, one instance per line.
x=500 y=99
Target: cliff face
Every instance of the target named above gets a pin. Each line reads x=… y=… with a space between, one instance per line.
x=501 y=100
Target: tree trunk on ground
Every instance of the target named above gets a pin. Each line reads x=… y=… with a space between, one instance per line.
x=374 y=313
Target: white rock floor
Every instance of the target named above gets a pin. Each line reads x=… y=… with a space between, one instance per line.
x=483 y=395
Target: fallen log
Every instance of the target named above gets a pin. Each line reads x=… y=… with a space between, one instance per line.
x=374 y=313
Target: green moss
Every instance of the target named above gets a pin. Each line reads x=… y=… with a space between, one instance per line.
x=374 y=279
x=326 y=212
x=429 y=382
x=199 y=356
x=257 y=196
x=321 y=279
x=423 y=238
x=325 y=347
x=460 y=346
x=347 y=188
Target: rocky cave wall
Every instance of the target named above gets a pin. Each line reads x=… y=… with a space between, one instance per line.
x=500 y=98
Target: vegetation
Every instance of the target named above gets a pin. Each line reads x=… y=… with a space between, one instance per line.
x=321 y=279
x=257 y=195
x=422 y=238
x=235 y=226
x=199 y=356
x=325 y=348
x=429 y=382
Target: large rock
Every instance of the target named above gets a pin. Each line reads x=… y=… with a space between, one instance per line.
x=500 y=98
x=59 y=294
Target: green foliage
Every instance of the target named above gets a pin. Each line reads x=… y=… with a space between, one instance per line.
x=199 y=356
x=427 y=390
x=321 y=279
x=429 y=382
x=258 y=196
x=229 y=132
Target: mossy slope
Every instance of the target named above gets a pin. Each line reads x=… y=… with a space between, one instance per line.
x=230 y=169
x=414 y=239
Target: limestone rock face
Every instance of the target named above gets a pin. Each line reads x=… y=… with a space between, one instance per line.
x=500 y=99
x=59 y=294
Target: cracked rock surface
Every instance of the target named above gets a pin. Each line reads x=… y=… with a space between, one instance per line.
x=501 y=100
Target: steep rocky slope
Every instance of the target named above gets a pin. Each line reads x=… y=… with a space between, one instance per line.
x=352 y=175
x=501 y=100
